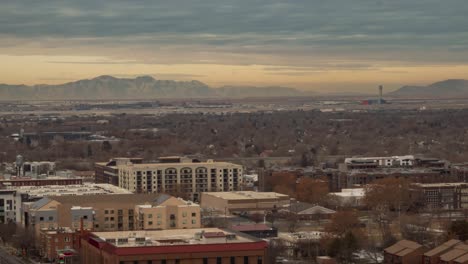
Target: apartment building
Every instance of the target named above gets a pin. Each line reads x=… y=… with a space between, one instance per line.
x=180 y=246
x=121 y=212
x=15 y=200
x=107 y=172
x=10 y=202
x=181 y=175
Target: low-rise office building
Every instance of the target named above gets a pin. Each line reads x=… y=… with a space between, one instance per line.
x=444 y=196
x=181 y=246
x=243 y=201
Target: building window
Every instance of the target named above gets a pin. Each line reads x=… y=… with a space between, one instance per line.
x=51 y=218
x=219 y=260
x=159 y=222
x=194 y=221
x=150 y=215
x=41 y=219
x=184 y=214
x=67 y=239
x=246 y=260
x=184 y=222
x=159 y=215
x=194 y=214
x=233 y=260
x=150 y=223
x=106 y=211
x=259 y=260
x=205 y=260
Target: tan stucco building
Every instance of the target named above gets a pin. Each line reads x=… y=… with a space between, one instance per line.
x=176 y=174
x=172 y=213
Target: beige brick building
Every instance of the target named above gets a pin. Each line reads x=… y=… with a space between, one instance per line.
x=175 y=174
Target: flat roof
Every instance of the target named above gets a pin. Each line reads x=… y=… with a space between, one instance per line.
x=77 y=189
x=174 y=237
x=176 y=164
x=444 y=184
x=386 y=170
x=247 y=195
x=251 y=227
x=358 y=192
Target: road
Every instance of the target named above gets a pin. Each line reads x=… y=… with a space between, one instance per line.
x=6 y=258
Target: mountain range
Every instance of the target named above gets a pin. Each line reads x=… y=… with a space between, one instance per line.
x=146 y=87
x=444 y=89
x=143 y=87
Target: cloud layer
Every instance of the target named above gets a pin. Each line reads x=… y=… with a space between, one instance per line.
x=319 y=35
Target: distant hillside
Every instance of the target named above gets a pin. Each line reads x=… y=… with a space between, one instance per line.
x=443 y=89
x=108 y=87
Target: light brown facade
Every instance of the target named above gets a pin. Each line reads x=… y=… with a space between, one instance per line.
x=173 y=213
x=118 y=212
x=183 y=176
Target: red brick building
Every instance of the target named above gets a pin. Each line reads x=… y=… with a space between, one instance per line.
x=181 y=246
x=54 y=241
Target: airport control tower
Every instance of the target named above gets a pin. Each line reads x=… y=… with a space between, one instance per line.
x=380 y=94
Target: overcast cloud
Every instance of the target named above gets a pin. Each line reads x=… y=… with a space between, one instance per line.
x=303 y=33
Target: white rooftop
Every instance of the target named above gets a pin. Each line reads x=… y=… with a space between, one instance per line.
x=59 y=190
x=174 y=237
x=357 y=192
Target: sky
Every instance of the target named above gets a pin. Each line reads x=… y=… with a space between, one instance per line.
x=325 y=46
